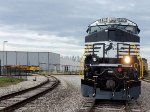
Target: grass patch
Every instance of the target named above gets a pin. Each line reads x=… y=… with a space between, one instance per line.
x=43 y=73
x=6 y=81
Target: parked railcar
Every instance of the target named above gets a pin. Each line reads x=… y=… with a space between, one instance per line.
x=112 y=67
x=23 y=68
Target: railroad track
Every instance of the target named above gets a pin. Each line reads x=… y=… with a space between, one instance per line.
x=110 y=106
x=9 y=103
x=102 y=106
x=87 y=106
x=133 y=106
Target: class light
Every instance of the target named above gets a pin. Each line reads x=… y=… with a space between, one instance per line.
x=127 y=59
x=94 y=59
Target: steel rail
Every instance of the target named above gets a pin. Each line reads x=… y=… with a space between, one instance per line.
x=146 y=80
x=23 y=91
x=109 y=105
x=17 y=101
x=87 y=106
x=127 y=107
x=133 y=107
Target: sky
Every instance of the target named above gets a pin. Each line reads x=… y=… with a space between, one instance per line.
x=60 y=25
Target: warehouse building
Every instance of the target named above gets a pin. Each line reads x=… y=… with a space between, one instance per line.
x=48 y=61
x=68 y=64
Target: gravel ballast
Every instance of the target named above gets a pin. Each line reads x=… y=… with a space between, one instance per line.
x=67 y=98
x=144 y=99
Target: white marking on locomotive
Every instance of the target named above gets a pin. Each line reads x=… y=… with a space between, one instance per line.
x=112 y=51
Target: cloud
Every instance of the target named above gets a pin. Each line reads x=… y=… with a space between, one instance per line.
x=60 y=25
x=35 y=41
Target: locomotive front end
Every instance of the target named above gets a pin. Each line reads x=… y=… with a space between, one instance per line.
x=112 y=63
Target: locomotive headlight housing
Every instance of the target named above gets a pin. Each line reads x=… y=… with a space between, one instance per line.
x=127 y=60
x=94 y=59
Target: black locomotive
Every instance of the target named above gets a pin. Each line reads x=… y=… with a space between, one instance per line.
x=112 y=66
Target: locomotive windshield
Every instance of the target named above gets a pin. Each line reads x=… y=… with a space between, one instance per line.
x=128 y=28
x=119 y=23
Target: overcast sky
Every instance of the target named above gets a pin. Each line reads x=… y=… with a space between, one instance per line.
x=59 y=25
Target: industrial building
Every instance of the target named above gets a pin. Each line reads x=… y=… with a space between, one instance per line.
x=68 y=64
x=48 y=61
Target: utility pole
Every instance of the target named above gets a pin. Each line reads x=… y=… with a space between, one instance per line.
x=3 y=54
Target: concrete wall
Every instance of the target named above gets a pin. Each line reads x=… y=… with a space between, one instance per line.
x=46 y=60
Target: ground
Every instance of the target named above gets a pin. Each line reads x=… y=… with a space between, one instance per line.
x=148 y=76
x=67 y=97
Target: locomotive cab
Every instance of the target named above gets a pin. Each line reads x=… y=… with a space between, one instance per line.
x=112 y=63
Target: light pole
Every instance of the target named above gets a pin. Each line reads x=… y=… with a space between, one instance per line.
x=3 y=54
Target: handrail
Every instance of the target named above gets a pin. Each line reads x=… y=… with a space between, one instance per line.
x=86 y=49
x=139 y=59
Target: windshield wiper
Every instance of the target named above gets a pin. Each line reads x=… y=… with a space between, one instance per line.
x=99 y=26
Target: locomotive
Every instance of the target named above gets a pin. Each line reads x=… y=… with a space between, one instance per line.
x=112 y=65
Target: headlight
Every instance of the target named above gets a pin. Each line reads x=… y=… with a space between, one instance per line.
x=127 y=59
x=94 y=59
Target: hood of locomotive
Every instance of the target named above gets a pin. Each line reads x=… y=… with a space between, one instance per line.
x=111 y=37
x=105 y=58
